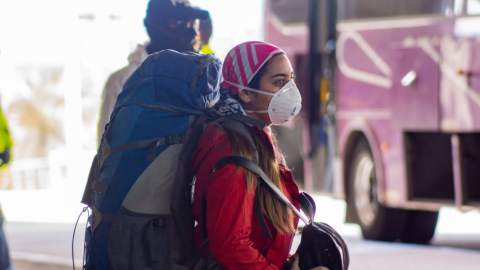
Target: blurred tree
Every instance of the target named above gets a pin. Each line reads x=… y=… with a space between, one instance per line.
x=38 y=119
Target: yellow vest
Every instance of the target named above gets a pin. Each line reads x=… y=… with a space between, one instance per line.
x=5 y=138
x=206 y=50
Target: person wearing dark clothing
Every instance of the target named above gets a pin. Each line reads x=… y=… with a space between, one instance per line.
x=5 y=263
x=170 y=25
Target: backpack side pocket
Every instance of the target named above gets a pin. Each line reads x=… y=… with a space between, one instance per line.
x=87 y=198
x=139 y=241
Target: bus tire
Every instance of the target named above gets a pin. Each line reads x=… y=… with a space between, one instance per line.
x=420 y=226
x=376 y=221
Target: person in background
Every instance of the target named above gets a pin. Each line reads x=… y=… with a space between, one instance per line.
x=205 y=31
x=170 y=24
x=5 y=141
x=5 y=148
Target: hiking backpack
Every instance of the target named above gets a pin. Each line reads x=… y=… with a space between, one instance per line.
x=138 y=182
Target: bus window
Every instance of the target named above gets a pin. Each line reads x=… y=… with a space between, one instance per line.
x=473 y=7
x=467 y=7
x=363 y=9
x=290 y=12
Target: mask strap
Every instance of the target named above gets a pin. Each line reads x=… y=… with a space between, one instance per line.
x=251 y=89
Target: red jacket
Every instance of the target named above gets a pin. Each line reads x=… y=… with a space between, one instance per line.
x=236 y=239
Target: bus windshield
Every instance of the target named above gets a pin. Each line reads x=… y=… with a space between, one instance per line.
x=364 y=9
x=290 y=12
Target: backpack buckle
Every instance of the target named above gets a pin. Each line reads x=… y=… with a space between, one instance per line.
x=174 y=139
x=159 y=222
x=99 y=187
x=213 y=171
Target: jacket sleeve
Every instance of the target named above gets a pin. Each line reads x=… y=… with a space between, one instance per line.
x=229 y=218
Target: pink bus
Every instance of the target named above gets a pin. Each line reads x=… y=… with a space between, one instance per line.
x=403 y=81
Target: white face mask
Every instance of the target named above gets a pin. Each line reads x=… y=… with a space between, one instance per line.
x=285 y=104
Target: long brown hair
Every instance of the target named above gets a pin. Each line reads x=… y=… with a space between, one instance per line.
x=276 y=211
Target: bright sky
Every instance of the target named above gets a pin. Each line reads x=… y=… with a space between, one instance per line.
x=48 y=32
x=93 y=38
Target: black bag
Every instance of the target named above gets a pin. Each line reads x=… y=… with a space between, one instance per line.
x=320 y=245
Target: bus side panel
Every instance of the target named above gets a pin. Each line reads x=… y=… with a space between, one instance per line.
x=292 y=38
x=386 y=145
x=367 y=98
x=460 y=78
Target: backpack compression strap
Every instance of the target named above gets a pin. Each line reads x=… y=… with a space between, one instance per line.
x=153 y=143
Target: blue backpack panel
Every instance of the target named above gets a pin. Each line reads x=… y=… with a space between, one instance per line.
x=133 y=177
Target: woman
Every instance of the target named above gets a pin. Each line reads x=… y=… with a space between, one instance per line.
x=254 y=72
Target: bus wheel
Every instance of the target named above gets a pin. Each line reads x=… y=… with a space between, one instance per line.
x=420 y=227
x=376 y=221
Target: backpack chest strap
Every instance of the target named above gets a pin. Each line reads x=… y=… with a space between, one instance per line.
x=153 y=143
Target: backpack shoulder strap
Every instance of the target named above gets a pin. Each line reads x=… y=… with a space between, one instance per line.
x=246 y=120
x=236 y=126
x=238 y=123
x=307 y=204
x=254 y=168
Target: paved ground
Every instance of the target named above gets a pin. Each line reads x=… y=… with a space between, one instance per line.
x=27 y=265
x=44 y=242
x=48 y=246
x=38 y=245
x=370 y=255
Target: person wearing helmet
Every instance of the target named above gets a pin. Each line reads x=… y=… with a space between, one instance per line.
x=170 y=25
x=259 y=83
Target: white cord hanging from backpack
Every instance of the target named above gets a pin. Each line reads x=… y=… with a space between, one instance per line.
x=85 y=209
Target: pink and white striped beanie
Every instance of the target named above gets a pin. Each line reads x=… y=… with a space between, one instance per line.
x=244 y=61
